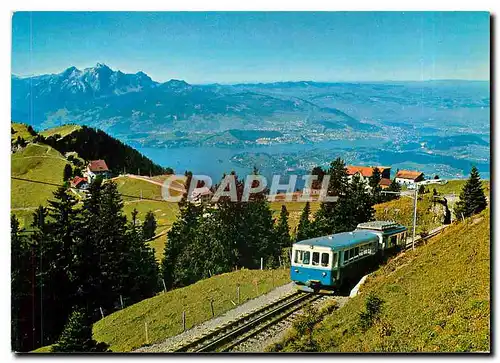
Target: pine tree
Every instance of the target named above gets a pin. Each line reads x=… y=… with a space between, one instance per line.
x=304 y=227
x=20 y=288
x=77 y=336
x=374 y=183
x=282 y=230
x=324 y=221
x=149 y=226
x=472 y=198
x=143 y=268
x=181 y=235
x=394 y=187
x=68 y=172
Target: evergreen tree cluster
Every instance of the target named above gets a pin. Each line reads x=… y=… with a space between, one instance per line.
x=472 y=198
x=353 y=206
x=93 y=144
x=76 y=258
x=210 y=239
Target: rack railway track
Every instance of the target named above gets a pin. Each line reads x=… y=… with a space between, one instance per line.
x=238 y=331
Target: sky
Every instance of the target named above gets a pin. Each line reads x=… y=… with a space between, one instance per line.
x=225 y=47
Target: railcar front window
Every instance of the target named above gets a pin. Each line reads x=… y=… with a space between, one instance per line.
x=307 y=257
x=315 y=260
x=325 y=259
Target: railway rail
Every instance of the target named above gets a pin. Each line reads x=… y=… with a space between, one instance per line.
x=238 y=331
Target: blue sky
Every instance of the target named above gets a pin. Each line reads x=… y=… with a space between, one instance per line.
x=257 y=47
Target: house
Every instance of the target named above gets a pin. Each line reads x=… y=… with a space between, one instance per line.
x=365 y=172
x=409 y=178
x=201 y=195
x=97 y=168
x=80 y=183
x=385 y=183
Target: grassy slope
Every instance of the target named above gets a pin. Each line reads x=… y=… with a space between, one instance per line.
x=21 y=130
x=436 y=299
x=61 y=130
x=294 y=209
x=401 y=210
x=455 y=186
x=124 y=330
x=37 y=162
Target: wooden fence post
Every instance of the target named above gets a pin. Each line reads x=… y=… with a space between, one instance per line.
x=262 y=263
x=164 y=286
x=121 y=301
x=102 y=313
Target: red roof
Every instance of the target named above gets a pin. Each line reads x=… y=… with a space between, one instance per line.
x=366 y=171
x=78 y=180
x=408 y=174
x=385 y=182
x=98 y=165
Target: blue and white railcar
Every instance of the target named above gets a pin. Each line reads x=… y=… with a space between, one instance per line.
x=331 y=262
x=326 y=263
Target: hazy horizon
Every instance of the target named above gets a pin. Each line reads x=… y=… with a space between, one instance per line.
x=252 y=47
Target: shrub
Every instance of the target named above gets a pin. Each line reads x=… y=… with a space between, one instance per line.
x=373 y=306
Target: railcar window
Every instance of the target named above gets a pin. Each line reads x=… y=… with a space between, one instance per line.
x=393 y=241
x=315 y=260
x=351 y=253
x=346 y=256
x=306 y=258
x=356 y=252
x=325 y=259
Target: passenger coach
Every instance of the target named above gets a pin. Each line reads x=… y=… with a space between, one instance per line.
x=334 y=261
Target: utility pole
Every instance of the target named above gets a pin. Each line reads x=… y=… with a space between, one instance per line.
x=415 y=199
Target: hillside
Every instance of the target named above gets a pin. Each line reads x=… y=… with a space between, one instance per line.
x=124 y=329
x=45 y=163
x=93 y=144
x=435 y=299
x=36 y=162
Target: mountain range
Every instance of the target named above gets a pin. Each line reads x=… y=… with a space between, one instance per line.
x=119 y=103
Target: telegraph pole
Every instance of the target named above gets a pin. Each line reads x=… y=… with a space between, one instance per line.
x=415 y=199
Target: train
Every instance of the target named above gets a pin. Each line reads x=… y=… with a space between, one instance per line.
x=332 y=263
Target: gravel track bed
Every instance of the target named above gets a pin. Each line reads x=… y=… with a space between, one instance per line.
x=172 y=343
x=277 y=332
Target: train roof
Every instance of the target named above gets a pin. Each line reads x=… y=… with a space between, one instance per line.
x=386 y=227
x=341 y=240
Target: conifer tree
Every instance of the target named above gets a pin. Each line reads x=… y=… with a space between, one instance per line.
x=182 y=234
x=282 y=230
x=20 y=286
x=324 y=222
x=374 y=183
x=143 y=268
x=304 y=227
x=68 y=172
x=472 y=198
x=393 y=187
x=77 y=336
x=149 y=226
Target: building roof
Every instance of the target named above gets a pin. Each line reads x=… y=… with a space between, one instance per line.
x=366 y=171
x=341 y=240
x=198 y=192
x=408 y=174
x=78 y=180
x=385 y=182
x=98 y=165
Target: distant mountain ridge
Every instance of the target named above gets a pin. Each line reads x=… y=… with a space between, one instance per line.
x=119 y=103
